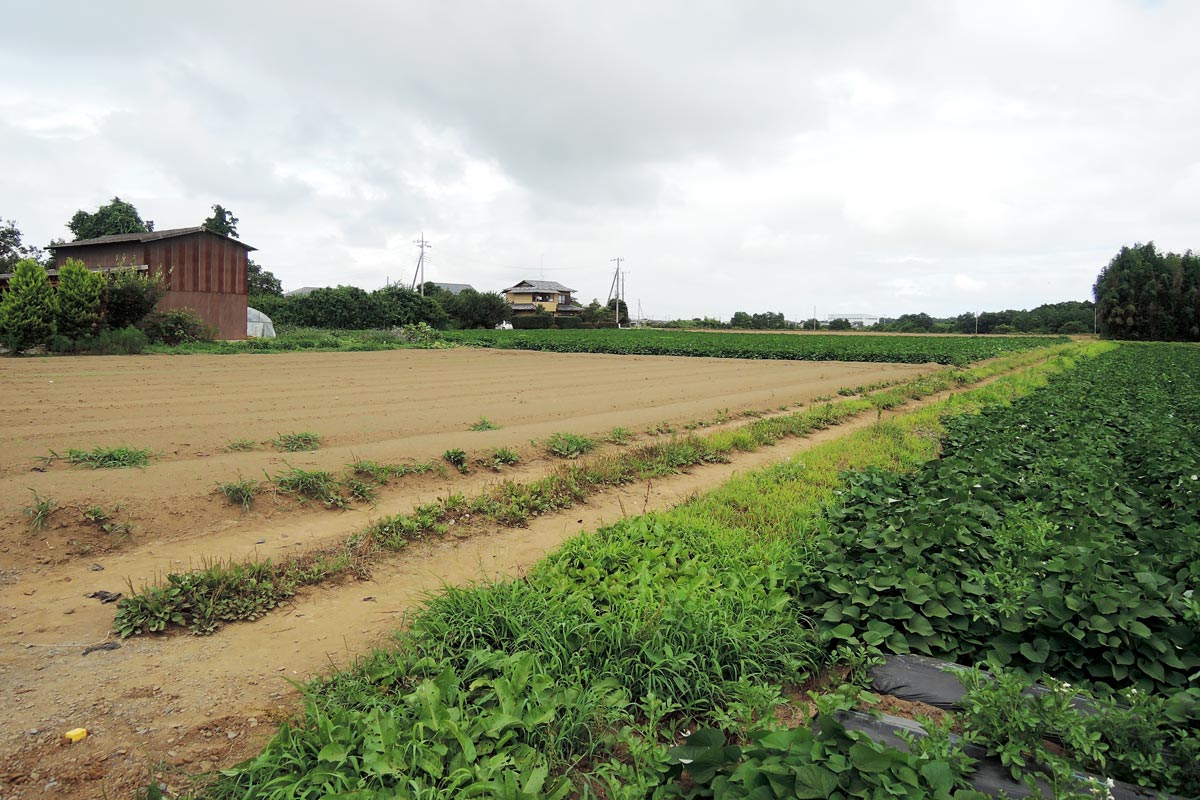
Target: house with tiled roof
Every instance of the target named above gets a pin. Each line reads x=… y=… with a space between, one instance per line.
x=527 y=296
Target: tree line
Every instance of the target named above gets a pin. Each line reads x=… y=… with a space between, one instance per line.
x=1151 y=296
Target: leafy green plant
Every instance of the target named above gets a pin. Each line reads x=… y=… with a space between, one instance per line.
x=484 y=424
x=503 y=457
x=39 y=511
x=569 y=445
x=176 y=326
x=108 y=457
x=457 y=458
x=618 y=436
x=239 y=445
x=240 y=492
x=296 y=442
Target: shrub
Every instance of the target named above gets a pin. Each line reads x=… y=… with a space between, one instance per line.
x=27 y=309
x=568 y=323
x=121 y=342
x=539 y=319
x=129 y=295
x=79 y=292
x=176 y=326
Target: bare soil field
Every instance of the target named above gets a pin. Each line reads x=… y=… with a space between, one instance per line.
x=160 y=702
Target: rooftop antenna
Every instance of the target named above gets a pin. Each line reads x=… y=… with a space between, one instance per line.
x=420 y=270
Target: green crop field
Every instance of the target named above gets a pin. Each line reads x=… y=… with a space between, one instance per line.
x=957 y=350
x=1055 y=536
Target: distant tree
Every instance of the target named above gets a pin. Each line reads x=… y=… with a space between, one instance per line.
x=472 y=309
x=11 y=248
x=593 y=312
x=79 y=295
x=114 y=218
x=741 y=319
x=768 y=321
x=1144 y=294
x=611 y=309
x=399 y=305
x=261 y=282
x=913 y=323
x=840 y=324
x=810 y=324
x=222 y=221
x=27 y=309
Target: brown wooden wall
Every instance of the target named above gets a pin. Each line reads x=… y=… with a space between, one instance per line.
x=202 y=271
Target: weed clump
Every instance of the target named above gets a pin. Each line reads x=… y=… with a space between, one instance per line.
x=108 y=457
x=39 y=511
x=457 y=458
x=484 y=424
x=240 y=492
x=296 y=442
x=570 y=445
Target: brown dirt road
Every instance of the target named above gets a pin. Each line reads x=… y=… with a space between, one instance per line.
x=207 y=702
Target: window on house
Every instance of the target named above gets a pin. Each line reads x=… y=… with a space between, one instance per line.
x=541 y=298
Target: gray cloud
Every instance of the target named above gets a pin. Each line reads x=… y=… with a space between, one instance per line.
x=865 y=156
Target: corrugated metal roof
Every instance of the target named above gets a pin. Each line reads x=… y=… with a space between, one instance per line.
x=153 y=236
x=539 y=286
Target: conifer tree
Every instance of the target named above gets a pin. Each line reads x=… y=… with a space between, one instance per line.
x=27 y=308
x=78 y=300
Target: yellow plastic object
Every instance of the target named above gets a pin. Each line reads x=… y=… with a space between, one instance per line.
x=75 y=734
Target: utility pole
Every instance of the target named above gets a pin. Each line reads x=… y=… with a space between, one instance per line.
x=616 y=289
x=420 y=270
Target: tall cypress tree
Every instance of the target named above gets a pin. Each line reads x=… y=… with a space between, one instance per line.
x=27 y=308
x=78 y=299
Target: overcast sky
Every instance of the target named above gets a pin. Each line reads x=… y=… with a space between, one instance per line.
x=858 y=157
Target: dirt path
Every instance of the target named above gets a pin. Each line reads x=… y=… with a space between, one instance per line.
x=200 y=703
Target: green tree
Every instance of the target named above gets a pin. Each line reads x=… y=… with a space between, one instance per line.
x=114 y=218
x=593 y=312
x=611 y=308
x=840 y=324
x=129 y=295
x=79 y=294
x=27 y=308
x=741 y=319
x=261 y=282
x=222 y=221
x=472 y=309
x=1148 y=295
x=11 y=248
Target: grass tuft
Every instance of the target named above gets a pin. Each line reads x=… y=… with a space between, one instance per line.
x=39 y=511
x=618 y=436
x=240 y=492
x=570 y=445
x=311 y=485
x=503 y=457
x=239 y=446
x=109 y=457
x=484 y=424
x=296 y=442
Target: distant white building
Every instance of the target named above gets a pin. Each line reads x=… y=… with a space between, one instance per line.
x=855 y=320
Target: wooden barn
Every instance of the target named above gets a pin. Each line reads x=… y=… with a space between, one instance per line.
x=202 y=270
